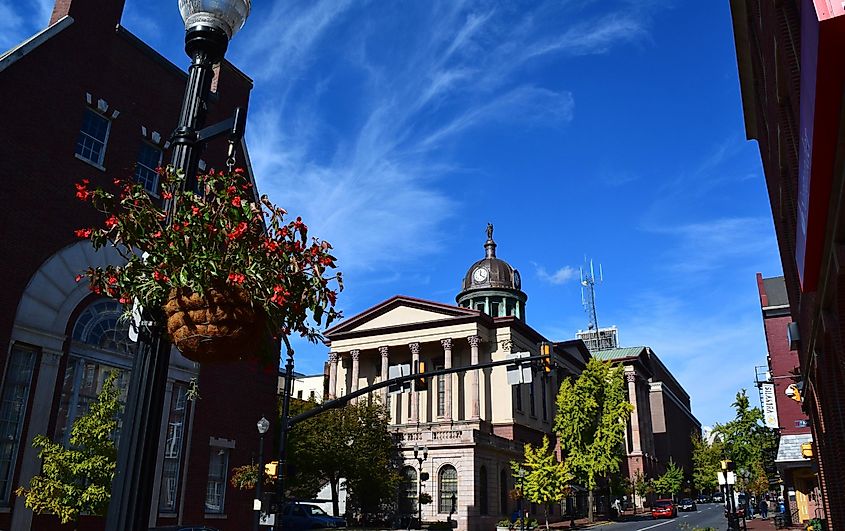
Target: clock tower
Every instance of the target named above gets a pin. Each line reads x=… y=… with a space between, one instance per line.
x=492 y=286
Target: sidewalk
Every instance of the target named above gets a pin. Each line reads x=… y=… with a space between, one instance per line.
x=766 y=525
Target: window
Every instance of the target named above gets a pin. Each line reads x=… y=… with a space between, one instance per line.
x=408 y=491
x=503 y=491
x=517 y=393
x=91 y=144
x=531 y=399
x=98 y=333
x=215 y=492
x=173 y=449
x=448 y=489
x=494 y=309
x=482 y=493
x=149 y=158
x=13 y=404
x=543 y=397
x=441 y=393
x=479 y=306
x=299 y=394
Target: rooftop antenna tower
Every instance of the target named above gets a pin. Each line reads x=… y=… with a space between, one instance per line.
x=588 y=293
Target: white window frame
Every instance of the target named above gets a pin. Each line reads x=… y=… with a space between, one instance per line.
x=154 y=191
x=24 y=404
x=217 y=451
x=96 y=163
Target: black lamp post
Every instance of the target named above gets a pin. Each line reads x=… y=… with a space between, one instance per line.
x=420 y=456
x=521 y=474
x=209 y=24
x=263 y=425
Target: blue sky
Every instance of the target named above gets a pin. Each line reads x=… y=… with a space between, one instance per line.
x=610 y=129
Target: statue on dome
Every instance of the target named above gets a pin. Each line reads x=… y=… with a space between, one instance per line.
x=489 y=231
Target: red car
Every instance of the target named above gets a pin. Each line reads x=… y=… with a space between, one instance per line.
x=664 y=509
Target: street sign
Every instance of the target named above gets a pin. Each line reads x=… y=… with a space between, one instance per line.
x=396 y=371
x=267 y=519
x=726 y=477
x=519 y=373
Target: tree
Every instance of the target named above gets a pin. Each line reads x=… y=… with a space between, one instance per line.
x=590 y=422
x=671 y=480
x=639 y=487
x=78 y=479
x=747 y=442
x=706 y=457
x=546 y=479
x=351 y=443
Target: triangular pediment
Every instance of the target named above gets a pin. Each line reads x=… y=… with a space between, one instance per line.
x=400 y=311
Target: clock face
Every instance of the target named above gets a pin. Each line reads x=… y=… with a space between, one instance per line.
x=480 y=274
x=517 y=280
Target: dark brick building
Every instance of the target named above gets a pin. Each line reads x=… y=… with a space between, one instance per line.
x=800 y=486
x=85 y=98
x=791 y=71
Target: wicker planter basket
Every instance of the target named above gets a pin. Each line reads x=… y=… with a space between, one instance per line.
x=219 y=325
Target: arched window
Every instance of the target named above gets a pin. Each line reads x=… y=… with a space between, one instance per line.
x=408 y=491
x=503 y=491
x=447 y=484
x=100 y=345
x=482 y=492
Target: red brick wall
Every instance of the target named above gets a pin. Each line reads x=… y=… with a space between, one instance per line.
x=42 y=101
x=783 y=362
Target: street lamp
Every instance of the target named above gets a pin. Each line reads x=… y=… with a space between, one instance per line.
x=420 y=456
x=209 y=24
x=521 y=473
x=263 y=425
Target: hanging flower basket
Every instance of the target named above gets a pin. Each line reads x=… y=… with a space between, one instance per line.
x=227 y=270
x=215 y=325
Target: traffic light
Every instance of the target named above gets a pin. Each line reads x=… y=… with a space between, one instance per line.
x=728 y=465
x=546 y=352
x=807 y=449
x=421 y=383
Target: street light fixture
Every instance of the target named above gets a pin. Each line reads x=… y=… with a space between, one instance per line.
x=263 y=425
x=420 y=460
x=209 y=24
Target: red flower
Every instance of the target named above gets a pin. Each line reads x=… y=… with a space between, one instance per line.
x=238 y=232
x=79 y=277
x=123 y=300
x=326 y=261
x=231 y=190
x=82 y=192
x=236 y=201
x=82 y=233
x=236 y=278
x=239 y=171
x=159 y=276
x=112 y=280
x=195 y=210
x=332 y=296
x=167 y=195
x=156 y=234
x=279 y=294
x=111 y=221
x=177 y=227
x=271 y=245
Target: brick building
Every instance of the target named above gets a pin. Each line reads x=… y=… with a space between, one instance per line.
x=662 y=423
x=792 y=74
x=800 y=486
x=84 y=98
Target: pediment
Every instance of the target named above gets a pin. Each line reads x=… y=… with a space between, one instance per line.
x=400 y=311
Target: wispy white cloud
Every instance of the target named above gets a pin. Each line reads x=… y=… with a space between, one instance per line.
x=560 y=276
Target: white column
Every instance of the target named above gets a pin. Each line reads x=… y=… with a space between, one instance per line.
x=415 y=395
x=636 y=448
x=332 y=375
x=474 y=341
x=355 y=354
x=384 y=366
x=447 y=383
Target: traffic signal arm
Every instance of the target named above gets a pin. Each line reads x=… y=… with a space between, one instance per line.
x=343 y=400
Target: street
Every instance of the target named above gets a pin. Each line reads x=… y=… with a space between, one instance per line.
x=708 y=515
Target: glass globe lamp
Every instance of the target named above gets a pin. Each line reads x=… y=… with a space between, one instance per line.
x=226 y=15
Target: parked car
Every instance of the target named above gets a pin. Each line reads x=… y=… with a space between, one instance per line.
x=703 y=498
x=687 y=504
x=664 y=509
x=718 y=498
x=298 y=516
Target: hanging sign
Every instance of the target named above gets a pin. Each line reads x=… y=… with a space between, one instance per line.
x=770 y=407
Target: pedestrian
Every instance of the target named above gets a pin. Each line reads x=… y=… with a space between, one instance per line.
x=764 y=508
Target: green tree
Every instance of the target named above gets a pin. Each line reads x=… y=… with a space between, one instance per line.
x=546 y=477
x=746 y=441
x=671 y=480
x=77 y=479
x=590 y=422
x=351 y=443
x=706 y=464
x=639 y=487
